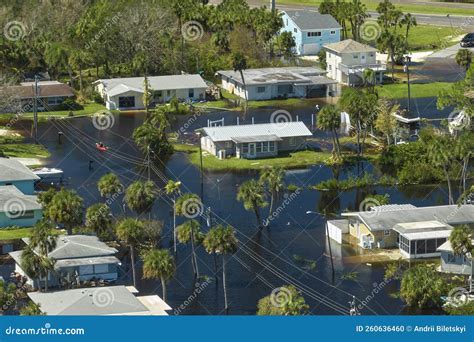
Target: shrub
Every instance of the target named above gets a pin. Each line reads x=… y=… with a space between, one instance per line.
x=68 y=104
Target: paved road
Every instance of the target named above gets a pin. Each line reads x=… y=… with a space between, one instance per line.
x=458 y=23
x=449 y=52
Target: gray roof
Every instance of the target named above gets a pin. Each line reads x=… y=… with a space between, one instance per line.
x=348 y=46
x=79 y=246
x=12 y=170
x=15 y=202
x=311 y=20
x=387 y=219
x=115 y=86
x=285 y=75
x=280 y=130
x=86 y=261
x=110 y=300
x=256 y=138
x=423 y=230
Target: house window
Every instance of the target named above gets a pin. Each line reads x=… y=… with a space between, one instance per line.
x=451 y=258
x=87 y=269
x=159 y=93
x=292 y=141
x=371 y=54
x=259 y=147
x=264 y=147
x=386 y=232
x=245 y=148
x=104 y=268
x=355 y=56
x=333 y=32
x=191 y=93
x=126 y=101
x=168 y=93
x=285 y=89
x=228 y=144
x=330 y=67
x=260 y=89
x=271 y=146
x=286 y=22
x=295 y=30
x=314 y=34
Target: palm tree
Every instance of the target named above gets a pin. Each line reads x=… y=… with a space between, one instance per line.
x=190 y=232
x=239 y=63
x=173 y=189
x=329 y=119
x=409 y=20
x=464 y=58
x=158 y=264
x=99 y=220
x=253 y=197
x=131 y=231
x=190 y=206
x=273 y=178
x=369 y=77
x=385 y=122
x=140 y=196
x=463 y=149
x=147 y=95
x=461 y=238
x=66 y=208
x=440 y=154
x=109 y=185
x=221 y=240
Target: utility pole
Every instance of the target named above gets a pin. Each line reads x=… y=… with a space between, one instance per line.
x=273 y=5
x=200 y=159
x=407 y=70
x=35 y=110
x=149 y=165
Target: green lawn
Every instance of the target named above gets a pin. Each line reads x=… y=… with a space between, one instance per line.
x=15 y=233
x=295 y=160
x=24 y=150
x=400 y=90
x=433 y=8
x=89 y=109
x=429 y=37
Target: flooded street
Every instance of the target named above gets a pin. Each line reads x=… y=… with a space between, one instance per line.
x=292 y=250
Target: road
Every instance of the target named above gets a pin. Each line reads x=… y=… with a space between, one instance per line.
x=458 y=23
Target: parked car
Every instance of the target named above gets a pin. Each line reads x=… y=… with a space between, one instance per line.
x=468 y=40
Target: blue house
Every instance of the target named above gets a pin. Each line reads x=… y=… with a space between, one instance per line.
x=18 y=209
x=311 y=30
x=12 y=172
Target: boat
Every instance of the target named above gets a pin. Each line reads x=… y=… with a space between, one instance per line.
x=46 y=172
x=102 y=148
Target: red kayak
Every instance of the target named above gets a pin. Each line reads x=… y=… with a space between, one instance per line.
x=101 y=148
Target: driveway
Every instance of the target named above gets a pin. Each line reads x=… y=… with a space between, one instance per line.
x=449 y=52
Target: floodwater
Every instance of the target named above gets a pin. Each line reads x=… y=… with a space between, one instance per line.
x=293 y=250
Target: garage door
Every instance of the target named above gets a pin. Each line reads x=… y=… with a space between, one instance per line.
x=311 y=49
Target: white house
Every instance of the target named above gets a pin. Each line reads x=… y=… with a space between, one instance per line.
x=127 y=93
x=18 y=209
x=77 y=258
x=311 y=30
x=452 y=263
x=254 y=141
x=347 y=60
x=273 y=83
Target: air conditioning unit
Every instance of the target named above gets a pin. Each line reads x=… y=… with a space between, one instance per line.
x=221 y=154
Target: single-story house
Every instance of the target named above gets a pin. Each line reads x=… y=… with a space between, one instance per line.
x=311 y=30
x=452 y=263
x=254 y=141
x=346 y=61
x=127 y=93
x=273 y=83
x=13 y=172
x=48 y=94
x=99 y=301
x=78 y=258
x=18 y=209
x=417 y=232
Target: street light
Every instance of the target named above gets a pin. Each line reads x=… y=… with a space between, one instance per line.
x=309 y=212
x=406 y=68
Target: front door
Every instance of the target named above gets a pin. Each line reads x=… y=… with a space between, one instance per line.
x=251 y=150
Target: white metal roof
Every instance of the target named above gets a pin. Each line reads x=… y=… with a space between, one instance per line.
x=281 y=130
x=169 y=82
x=13 y=170
x=13 y=199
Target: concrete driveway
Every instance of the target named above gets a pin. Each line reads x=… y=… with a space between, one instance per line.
x=449 y=52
